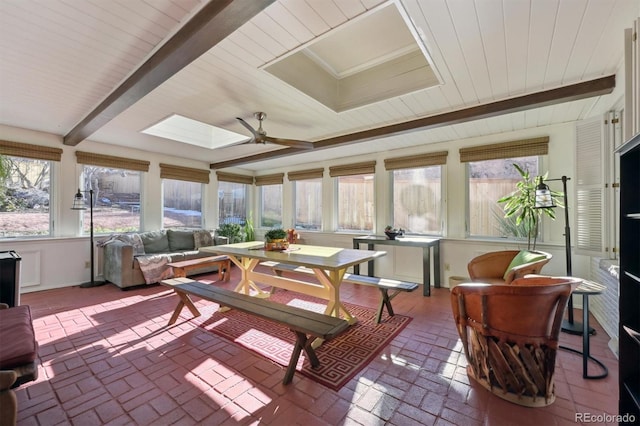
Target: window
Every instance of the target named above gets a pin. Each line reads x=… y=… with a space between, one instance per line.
x=491 y=175
x=182 y=189
x=182 y=204
x=270 y=199
x=25 y=202
x=271 y=206
x=116 y=199
x=356 y=203
x=417 y=200
x=355 y=196
x=232 y=202
x=307 y=194
x=308 y=201
x=488 y=181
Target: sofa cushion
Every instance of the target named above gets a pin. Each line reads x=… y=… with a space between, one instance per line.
x=155 y=242
x=180 y=240
x=16 y=327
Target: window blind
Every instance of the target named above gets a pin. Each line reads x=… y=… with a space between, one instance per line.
x=232 y=177
x=25 y=150
x=353 y=169
x=519 y=148
x=168 y=171
x=306 y=174
x=413 y=161
x=273 y=179
x=111 y=162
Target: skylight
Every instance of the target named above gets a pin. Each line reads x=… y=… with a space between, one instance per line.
x=374 y=57
x=187 y=130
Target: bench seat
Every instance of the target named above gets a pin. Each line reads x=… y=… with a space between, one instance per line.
x=383 y=284
x=307 y=325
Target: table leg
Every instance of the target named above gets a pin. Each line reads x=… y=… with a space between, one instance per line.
x=436 y=264
x=586 y=355
x=370 y=263
x=245 y=285
x=356 y=268
x=426 y=272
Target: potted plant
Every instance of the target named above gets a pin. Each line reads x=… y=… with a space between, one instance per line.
x=232 y=231
x=521 y=204
x=276 y=239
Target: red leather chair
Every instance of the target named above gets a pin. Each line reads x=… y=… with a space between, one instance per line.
x=494 y=267
x=510 y=335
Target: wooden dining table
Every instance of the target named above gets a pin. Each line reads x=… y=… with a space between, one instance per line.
x=329 y=265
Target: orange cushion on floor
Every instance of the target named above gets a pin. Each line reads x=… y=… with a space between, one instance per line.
x=18 y=343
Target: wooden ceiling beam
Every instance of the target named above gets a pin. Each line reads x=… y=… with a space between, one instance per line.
x=212 y=24
x=573 y=92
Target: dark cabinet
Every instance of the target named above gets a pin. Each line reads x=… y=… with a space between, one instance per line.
x=629 y=345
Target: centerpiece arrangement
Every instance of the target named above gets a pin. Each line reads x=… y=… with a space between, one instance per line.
x=392 y=232
x=276 y=240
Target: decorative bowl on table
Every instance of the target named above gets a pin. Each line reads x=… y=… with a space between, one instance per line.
x=393 y=234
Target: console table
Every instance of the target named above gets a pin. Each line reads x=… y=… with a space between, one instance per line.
x=429 y=245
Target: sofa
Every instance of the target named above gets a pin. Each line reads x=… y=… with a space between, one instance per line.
x=134 y=259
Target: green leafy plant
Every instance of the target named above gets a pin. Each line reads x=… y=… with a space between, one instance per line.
x=275 y=234
x=521 y=204
x=249 y=230
x=232 y=231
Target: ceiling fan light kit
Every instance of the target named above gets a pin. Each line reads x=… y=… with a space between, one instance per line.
x=260 y=135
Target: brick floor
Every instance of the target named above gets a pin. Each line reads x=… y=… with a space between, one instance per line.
x=107 y=358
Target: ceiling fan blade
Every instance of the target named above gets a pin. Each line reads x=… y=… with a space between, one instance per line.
x=253 y=131
x=288 y=142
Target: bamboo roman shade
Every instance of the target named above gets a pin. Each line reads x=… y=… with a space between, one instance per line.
x=353 y=169
x=521 y=148
x=111 y=162
x=413 y=161
x=274 y=179
x=232 y=177
x=168 y=171
x=306 y=174
x=25 y=150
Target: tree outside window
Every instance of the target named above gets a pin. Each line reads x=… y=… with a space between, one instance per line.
x=25 y=197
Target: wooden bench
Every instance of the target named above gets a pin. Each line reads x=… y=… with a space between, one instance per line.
x=306 y=325
x=183 y=268
x=383 y=284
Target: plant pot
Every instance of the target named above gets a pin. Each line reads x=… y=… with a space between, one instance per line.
x=276 y=245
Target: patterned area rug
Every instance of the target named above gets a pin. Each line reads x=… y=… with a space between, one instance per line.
x=340 y=358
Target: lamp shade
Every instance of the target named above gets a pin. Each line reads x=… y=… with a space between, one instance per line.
x=543 y=196
x=78 y=201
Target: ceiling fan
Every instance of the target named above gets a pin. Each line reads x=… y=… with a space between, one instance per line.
x=260 y=135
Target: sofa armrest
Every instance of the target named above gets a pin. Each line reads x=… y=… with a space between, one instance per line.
x=220 y=240
x=118 y=263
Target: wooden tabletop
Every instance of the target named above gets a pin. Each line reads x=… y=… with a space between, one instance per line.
x=328 y=258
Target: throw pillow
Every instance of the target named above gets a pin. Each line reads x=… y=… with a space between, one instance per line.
x=522 y=258
x=202 y=238
x=155 y=242
x=180 y=240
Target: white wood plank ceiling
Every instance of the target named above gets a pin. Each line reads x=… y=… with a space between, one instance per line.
x=60 y=58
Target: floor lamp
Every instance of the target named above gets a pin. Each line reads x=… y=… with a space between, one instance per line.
x=545 y=200
x=78 y=204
